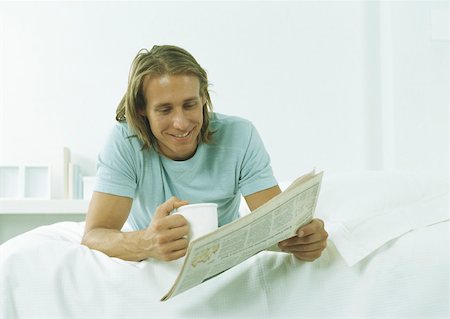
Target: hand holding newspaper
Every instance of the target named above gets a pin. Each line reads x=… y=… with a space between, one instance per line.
x=276 y=220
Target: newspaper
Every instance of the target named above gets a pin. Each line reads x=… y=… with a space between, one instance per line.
x=276 y=220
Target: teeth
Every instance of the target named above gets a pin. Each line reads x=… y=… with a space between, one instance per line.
x=182 y=135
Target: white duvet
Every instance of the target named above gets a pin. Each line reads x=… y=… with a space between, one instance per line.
x=395 y=270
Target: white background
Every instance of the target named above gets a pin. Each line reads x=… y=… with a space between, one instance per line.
x=334 y=85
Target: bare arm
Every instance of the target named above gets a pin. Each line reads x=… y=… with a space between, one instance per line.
x=259 y=198
x=163 y=239
x=106 y=216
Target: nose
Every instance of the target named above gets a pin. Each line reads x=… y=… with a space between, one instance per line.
x=180 y=121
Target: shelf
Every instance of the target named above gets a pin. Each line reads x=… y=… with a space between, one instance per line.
x=42 y=206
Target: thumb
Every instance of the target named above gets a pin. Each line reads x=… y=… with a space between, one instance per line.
x=168 y=206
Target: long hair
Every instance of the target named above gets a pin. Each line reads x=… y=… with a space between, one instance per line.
x=160 y=60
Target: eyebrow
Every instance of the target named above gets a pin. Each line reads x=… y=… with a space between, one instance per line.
x=159 y=105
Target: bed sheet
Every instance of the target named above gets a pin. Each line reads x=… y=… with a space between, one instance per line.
x=46 y=273
x=388 y=257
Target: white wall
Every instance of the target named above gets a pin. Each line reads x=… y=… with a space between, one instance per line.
x=332 y=85
x=421 y=84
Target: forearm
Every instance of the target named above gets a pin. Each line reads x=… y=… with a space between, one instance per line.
x=115 y=243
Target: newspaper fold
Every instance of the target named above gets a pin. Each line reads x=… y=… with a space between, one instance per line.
x=276 y=220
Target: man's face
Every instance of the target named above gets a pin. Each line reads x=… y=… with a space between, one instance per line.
x=175 y=113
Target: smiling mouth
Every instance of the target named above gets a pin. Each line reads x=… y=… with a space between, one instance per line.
x=182 y=135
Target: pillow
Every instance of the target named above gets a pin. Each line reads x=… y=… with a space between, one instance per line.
x=364 y=210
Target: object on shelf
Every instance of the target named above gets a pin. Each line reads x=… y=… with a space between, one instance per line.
x=49 y=174
x=75 y=182
x=59 y=159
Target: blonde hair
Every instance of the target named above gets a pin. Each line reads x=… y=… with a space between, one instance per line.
x=160 y=60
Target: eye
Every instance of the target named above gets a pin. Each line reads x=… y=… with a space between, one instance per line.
x=190 y=105
x=163 y=110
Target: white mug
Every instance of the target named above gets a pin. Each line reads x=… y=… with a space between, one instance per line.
x=202 y=218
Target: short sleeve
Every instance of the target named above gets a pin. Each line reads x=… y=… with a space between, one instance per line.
x=256 y=173
x=117 y=165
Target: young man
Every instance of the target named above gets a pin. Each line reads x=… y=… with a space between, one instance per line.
x=169 y=149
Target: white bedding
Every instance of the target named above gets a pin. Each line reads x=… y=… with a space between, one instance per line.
x=46 y=273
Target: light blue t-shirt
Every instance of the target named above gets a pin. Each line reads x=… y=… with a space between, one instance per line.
x=235 y=162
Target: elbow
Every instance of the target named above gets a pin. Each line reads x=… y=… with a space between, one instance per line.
x=85 y=240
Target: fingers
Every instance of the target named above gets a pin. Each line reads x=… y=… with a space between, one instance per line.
x=168 y=244
x=308 y=234
x=175 y=255
x=304 y=240
x=162 y=220
x=165 y=238
x=164 y=209
x=168 y=222
x=172 y=234
x=320 y=245
x=306 y=252
x=172 y=250
x=315 y=226
x=309 y=243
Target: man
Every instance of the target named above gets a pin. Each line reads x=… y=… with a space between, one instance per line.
x=169 y=149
